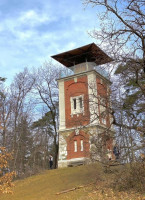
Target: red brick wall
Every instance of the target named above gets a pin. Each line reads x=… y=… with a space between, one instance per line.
x=101 y=88
x=70 y=145
x=73 y=89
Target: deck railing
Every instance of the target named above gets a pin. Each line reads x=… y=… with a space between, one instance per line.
x=71 y=71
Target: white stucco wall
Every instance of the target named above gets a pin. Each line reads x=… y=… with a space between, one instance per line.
x=93 y=101
x=61 y=105
x=62 y=148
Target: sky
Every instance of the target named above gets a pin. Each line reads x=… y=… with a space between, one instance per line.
x=33 y=30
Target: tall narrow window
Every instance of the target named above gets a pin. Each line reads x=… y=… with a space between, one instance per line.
x=80 y=102
x=75 y=146
x=75 y=103
x=82 y=145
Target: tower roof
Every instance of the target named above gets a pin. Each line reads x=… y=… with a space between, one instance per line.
x=89 y=53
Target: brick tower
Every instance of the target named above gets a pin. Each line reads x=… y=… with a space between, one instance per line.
x=83 y=104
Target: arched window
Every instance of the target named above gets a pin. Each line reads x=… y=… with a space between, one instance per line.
x=82 y=145
x=78 y=145
x=75 y=146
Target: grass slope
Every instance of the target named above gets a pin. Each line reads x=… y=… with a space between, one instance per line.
x=46 y=185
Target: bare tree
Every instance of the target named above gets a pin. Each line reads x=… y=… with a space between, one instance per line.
x=122 y=35
x=5 y=113
x=122 y=28
x=47 y=90
x=19 y=91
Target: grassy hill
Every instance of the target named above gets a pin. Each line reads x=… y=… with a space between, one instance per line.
x=45 y=185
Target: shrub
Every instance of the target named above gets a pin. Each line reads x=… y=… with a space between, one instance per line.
x=131 y=177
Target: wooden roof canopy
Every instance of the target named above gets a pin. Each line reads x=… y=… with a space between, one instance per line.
x=89 y=53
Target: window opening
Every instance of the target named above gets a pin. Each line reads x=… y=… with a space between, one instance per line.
x=82 y=145
x=75 y=104
x=75 y=146
x=80 y=102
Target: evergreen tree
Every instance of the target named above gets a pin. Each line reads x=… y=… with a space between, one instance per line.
x=43 y=128
x=24 y=146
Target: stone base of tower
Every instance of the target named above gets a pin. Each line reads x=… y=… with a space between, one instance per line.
x=73 y=162
x=76 y=146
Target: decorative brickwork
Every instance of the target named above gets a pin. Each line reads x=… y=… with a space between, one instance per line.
x=78 y=139
x=73 y=89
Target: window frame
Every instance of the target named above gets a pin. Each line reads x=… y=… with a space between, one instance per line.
x=79 y=106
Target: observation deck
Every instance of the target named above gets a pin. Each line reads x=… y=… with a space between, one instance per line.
x=84 y=67
x=83 y=59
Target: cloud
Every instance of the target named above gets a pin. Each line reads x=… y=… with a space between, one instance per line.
x=34 y=18
x=25 y=21
x=32 y=31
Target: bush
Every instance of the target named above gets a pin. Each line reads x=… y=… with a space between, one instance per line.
x=131 y=177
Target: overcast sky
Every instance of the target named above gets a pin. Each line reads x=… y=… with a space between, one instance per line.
x=33 y=30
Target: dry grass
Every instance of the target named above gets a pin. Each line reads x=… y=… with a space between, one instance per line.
x=46 y=185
